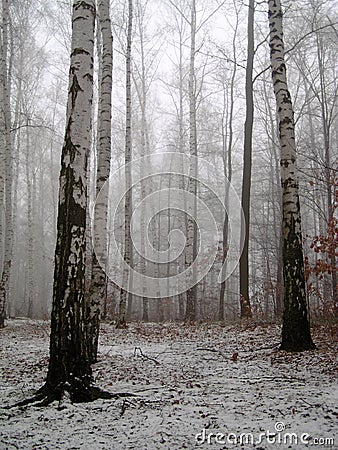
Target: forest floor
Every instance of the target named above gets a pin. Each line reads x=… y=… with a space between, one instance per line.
x=203 y=386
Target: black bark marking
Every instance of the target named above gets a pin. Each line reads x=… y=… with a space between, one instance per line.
x=75 y=88
x=79 y=51
x=85 y=5
x=296 y=334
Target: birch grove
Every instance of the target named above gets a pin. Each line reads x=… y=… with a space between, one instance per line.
x=187 y=77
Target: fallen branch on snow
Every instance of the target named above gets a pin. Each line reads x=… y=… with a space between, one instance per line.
x=213 y=350
x=145 y=356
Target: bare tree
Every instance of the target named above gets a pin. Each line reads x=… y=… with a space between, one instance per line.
x=191 y=248
x=296 y=334
x=143 y=76
x=246 y=184
x=227 y=147
x=7 y=157
x=128 y=250
x=98 y=277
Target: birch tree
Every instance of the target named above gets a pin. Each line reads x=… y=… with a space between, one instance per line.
x=296 y=334
x=7 y=169
x=191 y=248
x=128 y=251
x=69 y=364
x=98 y=277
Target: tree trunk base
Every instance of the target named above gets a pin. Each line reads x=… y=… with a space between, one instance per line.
x=78 y=393
x=293 y=347
x=298 y=340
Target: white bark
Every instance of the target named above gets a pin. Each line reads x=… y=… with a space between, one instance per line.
x=296 y=331
x=6 y=129
x=69 y=359
x=191 y=247
x=98 y=278
x=128 y=254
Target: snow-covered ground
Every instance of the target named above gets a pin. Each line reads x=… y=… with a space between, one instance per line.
x=192 y=390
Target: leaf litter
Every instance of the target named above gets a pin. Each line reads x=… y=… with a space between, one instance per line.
x=203 y=386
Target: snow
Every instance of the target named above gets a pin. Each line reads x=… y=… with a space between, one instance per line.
x=187 y=381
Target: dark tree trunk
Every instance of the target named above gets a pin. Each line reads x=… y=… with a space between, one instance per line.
x=246 y=185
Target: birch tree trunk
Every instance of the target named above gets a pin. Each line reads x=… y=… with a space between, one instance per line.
x=69 y=364
x=191 y=247
x=3 y=62
x=6 y=186
x=69 y=358
x=296 y=334
x=247 y=163
x=142 y=90
x=128 y=256
x=98 y=278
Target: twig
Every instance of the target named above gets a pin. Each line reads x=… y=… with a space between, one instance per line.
x=124 y=406
x=213 y=350
x=258 y=379
x=145 y=356
x=310 y=404
x=268 y=347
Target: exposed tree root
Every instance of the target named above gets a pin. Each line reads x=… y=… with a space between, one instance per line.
x=78 y=393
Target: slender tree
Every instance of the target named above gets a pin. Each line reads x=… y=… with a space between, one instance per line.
x=7 y=170
x=142 y=83
x=296 y=334
x=325 y=116
x=191 y=250
x=227 y=147
x=98 y=277
x=31 y=186
x=128 y=251
x=247 y=163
